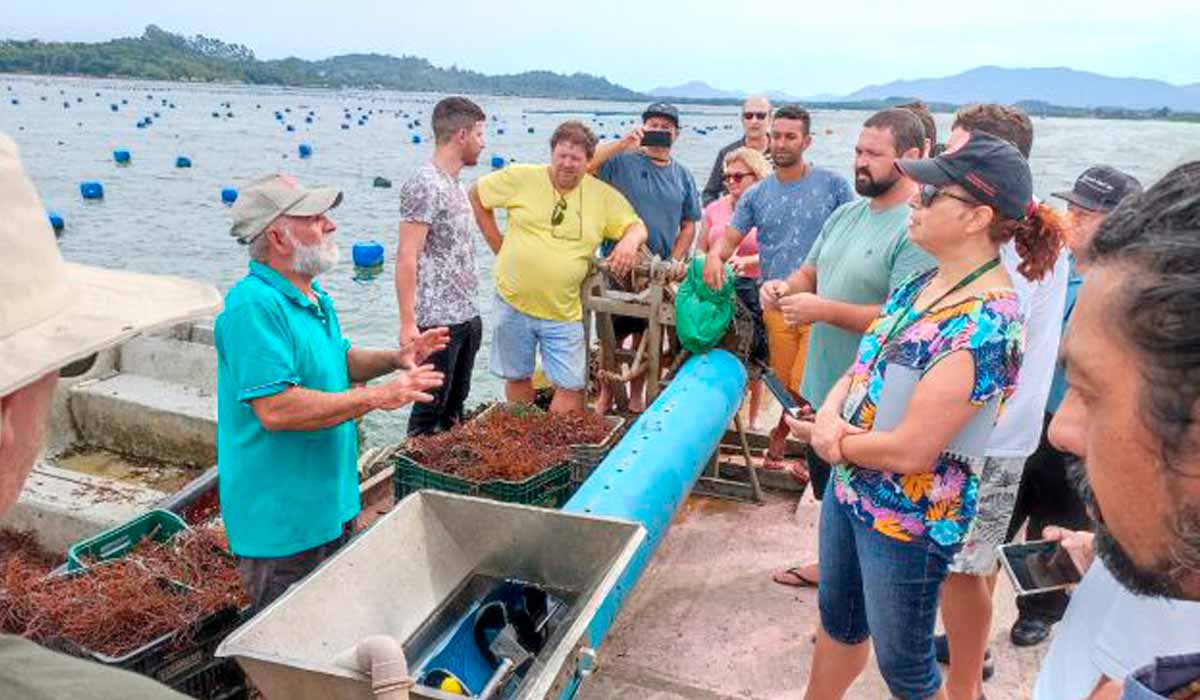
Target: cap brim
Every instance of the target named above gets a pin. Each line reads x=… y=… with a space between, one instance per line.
x=109 y=307
x=317 y=201
x=1078 y=201
x=926 y=171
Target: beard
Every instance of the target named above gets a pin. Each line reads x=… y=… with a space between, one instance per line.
x=784 y=159
x=867 y=186
x=313 y=260
x=1164 y=578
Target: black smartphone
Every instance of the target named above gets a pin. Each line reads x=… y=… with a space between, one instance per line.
x=656 y=138
x=782 y=395
x=1040 y=566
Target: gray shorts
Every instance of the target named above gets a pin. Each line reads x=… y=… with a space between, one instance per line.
x=998 y=484
x=267 y=578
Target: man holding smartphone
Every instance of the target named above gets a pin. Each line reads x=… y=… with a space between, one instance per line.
x=756 y=128
x=662 y=193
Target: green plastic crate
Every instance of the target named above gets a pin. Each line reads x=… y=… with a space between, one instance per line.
x=161 y=525
x=585 y=458
x=549 y=489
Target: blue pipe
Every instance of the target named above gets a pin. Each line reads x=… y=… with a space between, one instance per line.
x=650 y=472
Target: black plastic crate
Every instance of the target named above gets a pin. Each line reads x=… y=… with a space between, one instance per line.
x=220 y=679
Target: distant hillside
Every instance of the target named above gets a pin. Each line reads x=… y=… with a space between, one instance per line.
x=1058 y=86
x=161 y=55
x=696 y=90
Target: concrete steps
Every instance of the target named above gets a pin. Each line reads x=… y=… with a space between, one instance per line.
x=149 y=418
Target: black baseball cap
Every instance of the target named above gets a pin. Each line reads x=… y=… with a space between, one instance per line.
x=991 y=169
x=1101 y=188
x=662 y=109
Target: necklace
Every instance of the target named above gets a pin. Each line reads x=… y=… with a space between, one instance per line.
x=962 y=283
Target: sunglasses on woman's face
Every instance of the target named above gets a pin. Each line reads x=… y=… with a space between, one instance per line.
x=736 y=177
x=929 y=193
x=754 y=115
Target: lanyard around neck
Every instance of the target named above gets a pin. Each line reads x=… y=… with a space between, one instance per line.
x=962 y=283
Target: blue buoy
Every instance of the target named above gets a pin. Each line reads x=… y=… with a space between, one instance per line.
x=124 y=101
x=416 y=138
x=216 y=115
x=113 y=107
x=290 y=127
x=345 y=126
x=56 y=221
x=121 y=155
x=530 y=129
x=500 y=131
x=308 y=120
x=183 y=162
x=91 y=189
x=369 y=254
x=15 y=101
x=148 y=120
x=229 y=195
x=305 y=150
x=497 y=162
x=141 y=124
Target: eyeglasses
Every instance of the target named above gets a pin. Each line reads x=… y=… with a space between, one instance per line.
x=560 y=214
x=736 y=177
x=930 y=193
x=560 y=211
x=755 y=115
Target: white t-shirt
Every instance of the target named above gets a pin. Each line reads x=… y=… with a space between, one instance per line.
x=1108 y=630
x=1020 y=426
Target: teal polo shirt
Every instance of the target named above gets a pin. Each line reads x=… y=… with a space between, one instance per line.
x=281 y=492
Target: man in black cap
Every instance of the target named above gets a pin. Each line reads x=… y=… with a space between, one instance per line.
x=1047 y=496
x=663 y=194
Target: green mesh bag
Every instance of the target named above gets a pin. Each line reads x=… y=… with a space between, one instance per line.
x=702 y=314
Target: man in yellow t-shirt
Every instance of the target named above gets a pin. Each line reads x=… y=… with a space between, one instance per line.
x=558 y=216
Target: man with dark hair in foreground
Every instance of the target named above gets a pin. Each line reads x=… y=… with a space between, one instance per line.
x=1131 y=408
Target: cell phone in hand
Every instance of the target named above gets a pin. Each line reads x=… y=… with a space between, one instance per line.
x=656 y=138
x=782 y=395
x=1039 y=566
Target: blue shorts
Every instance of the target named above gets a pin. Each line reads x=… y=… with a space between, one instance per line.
x=518 y=336
x=877 y=587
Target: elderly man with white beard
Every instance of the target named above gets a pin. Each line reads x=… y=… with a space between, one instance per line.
x=289 y=388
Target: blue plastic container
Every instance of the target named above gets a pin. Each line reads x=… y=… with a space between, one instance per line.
x=305 y=150
x=229 y=195
x=368 y=254
x=497 y=162
x=183 y=162
x=56 y=221
x=91 y=189
x=121 y=156
x=416 y=138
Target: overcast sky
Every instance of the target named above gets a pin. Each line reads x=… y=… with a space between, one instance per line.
x=799 y=47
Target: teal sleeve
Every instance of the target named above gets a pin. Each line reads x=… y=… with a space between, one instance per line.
x=907 y=260
x=255 y=344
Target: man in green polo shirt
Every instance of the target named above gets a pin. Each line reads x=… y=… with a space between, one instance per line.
x=287 y=445
x=862 y=253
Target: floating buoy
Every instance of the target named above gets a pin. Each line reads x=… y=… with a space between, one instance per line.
x=91 y=189
x=345 y=126
x=141 y=124
x=288 y=110
x=170 y=105
x=500 y=131
x=183 y=162
x=66 y=105
x=216 y=115
x=416 y=138
x=530 y=130
x=15 y=101
x=56 y=222
x=381 y=182
x=80 y=99
x=308 y=120
x=497 y=162
x=305 y=150
x=148 y=120
x=113 y=107
x=229 y=195
x=369 y=254
x=229 y=115
x=121 y=156
x=124 y=101
x=290 y=127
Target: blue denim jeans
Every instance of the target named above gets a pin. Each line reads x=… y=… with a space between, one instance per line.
x=877 y=587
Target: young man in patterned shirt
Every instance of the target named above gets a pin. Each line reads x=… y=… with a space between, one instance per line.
x=436 y=283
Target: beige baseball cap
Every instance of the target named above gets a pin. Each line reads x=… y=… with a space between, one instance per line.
x=260 y=202
x=53 y=312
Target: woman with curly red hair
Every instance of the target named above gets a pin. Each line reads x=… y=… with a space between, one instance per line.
x=908 y=425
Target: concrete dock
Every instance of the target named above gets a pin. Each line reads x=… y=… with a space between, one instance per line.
x=707 y=622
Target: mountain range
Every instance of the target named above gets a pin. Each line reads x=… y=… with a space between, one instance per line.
x=1056 y=86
